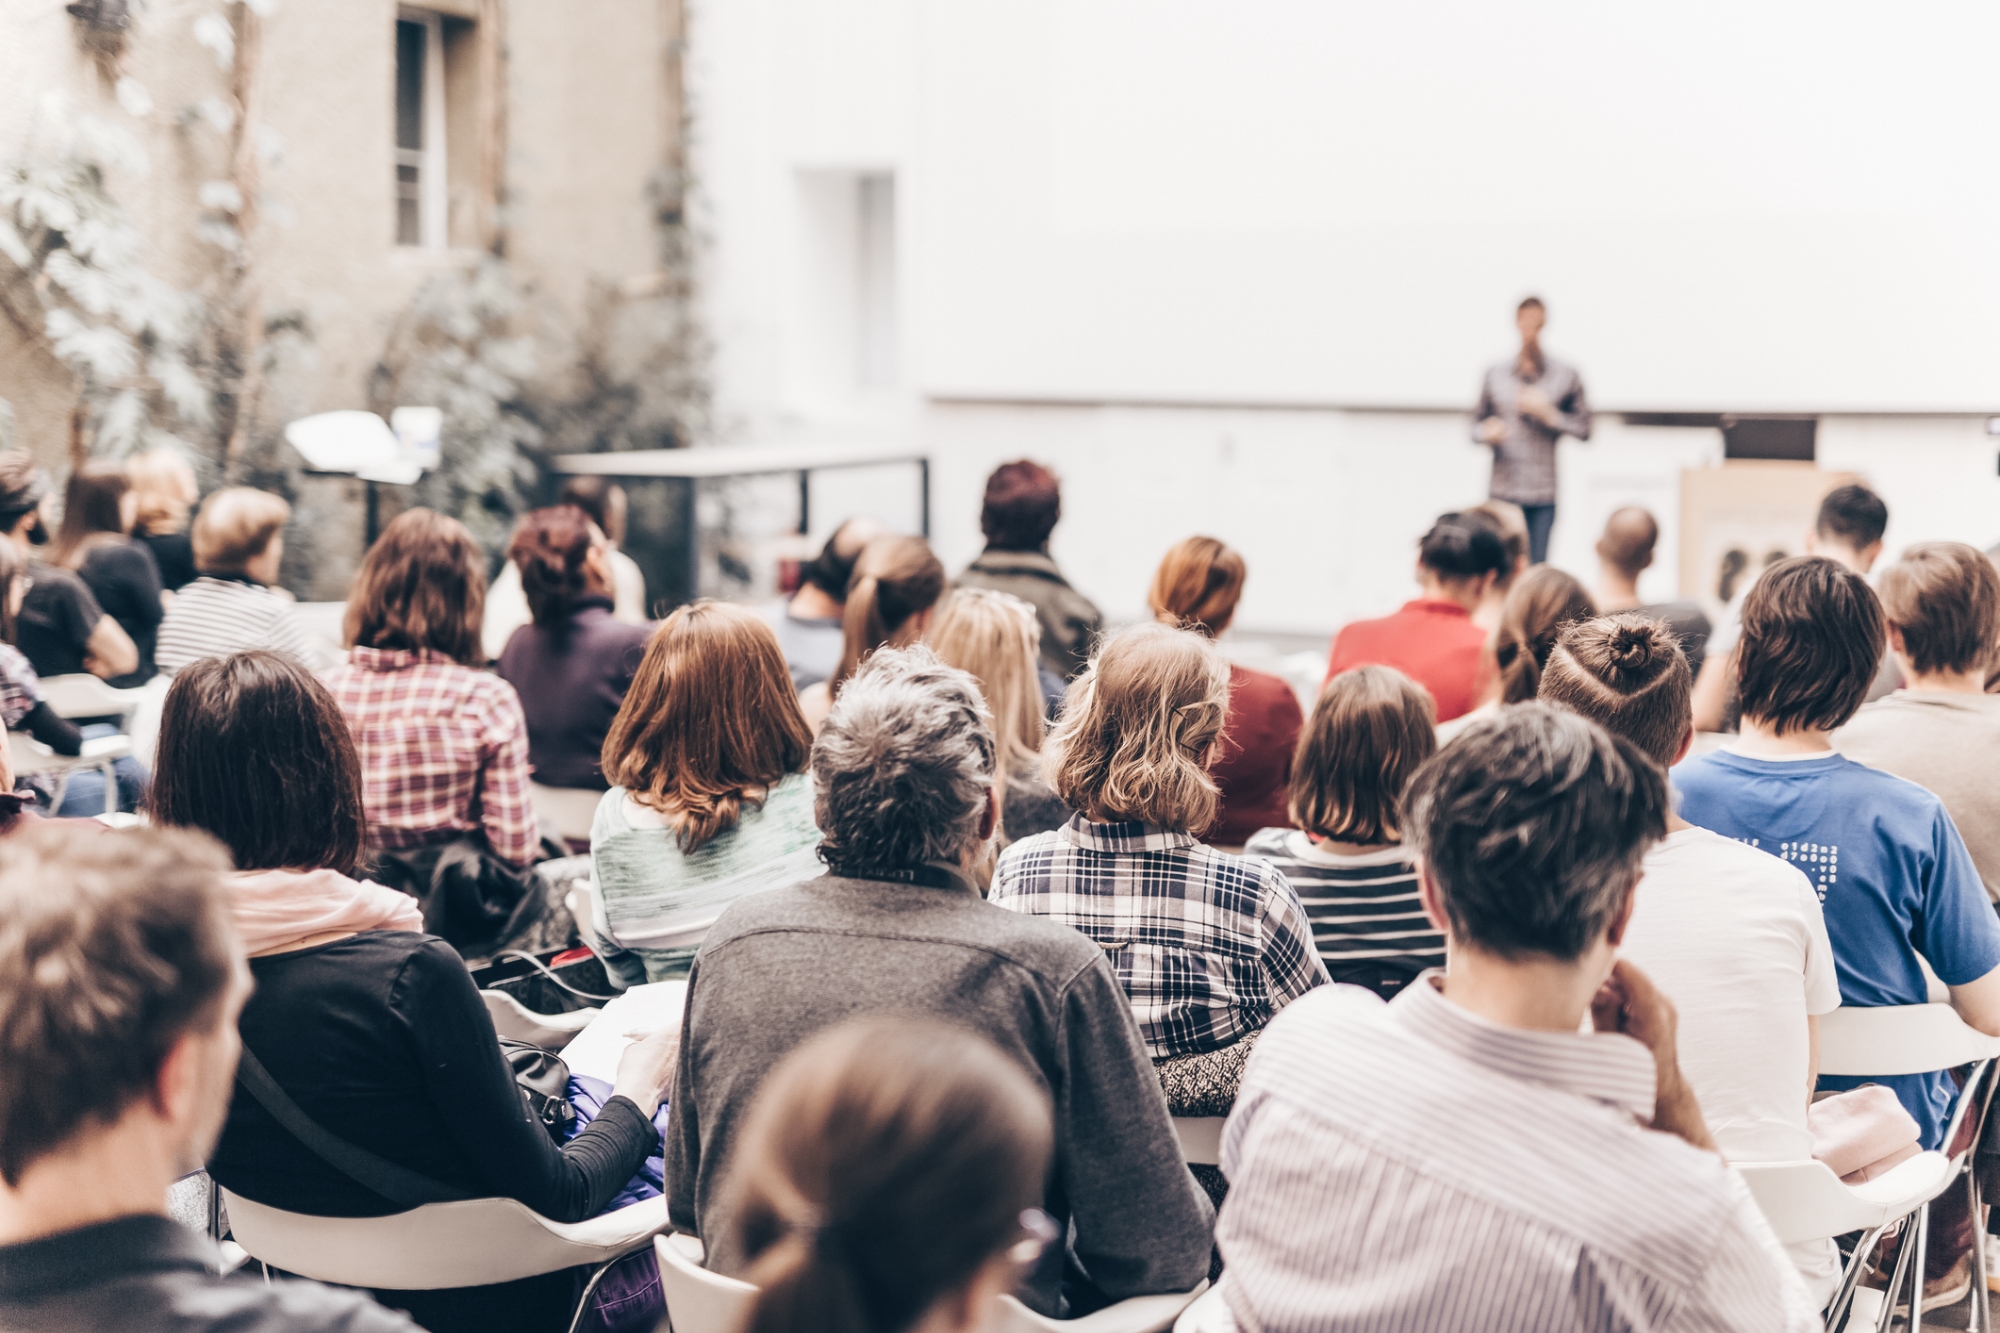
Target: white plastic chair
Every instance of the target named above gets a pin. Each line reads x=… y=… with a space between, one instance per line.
x=1913 y=1039
x=1201 y=1138
x=515 y=1020
x=1210 y=1314
x=699 y=1301
x=31 y=758
x=568 y=810
x=464 y=1244
x=81 y=694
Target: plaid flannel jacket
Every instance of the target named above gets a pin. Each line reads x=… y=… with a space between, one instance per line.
x=1207 y=946
x=444 y=750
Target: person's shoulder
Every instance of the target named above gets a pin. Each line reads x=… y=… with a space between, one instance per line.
x=1033 y=847
x=1707 y=857
x=1270 y=844
x=1303 y=1029
x=247 y=1302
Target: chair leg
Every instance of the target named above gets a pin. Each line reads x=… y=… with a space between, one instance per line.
x=1978 y=1311
x=1916 y=1320
x=1850 y=1278
x=1896 y=1275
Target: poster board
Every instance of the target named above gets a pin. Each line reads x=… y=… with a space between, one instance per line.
x=1742 y=516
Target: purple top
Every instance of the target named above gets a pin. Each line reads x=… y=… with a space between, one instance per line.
x=571 y=689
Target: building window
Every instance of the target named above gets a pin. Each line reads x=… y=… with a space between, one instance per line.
x=420 y=130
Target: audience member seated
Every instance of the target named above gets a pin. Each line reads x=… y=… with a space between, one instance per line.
x=1512 y=524
x=23 y=708
x=1432 y=640
x=1732 y=935
x=996 y=638
x=98 y=511
x=118 y=1032
x=1542 y=602
x=1624 y=552
x=810 y=630
x=1847 y=529
x=1941 y=730
x=896 y=585
x=711 y=801
x=444 y=745
x=239 y=543
x=370 y=1027
x=507 y=607
x=572 y=665
x=1023 y=501
x=904 y=773
x=1207 y=946
x=1355 y=876
x=1892 y=873
x=166 y=491
x=1197 y=588
x=1464 y=1158
x=887 y=1179
x=60 y=627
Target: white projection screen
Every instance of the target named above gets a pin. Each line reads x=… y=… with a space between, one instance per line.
x=1728 y=206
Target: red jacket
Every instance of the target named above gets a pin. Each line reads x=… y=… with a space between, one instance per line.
x=1433 y=643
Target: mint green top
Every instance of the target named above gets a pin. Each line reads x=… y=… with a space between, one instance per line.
x=660 y=901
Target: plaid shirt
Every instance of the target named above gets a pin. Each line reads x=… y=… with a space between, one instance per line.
x=1208 y=946
x=444 y=750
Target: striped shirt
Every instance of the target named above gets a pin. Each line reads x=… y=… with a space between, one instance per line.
x=1412 y=1166
x=659 y=901
x=1206 y=945
x=444 y=750
x=217 y=615
x=1364 y=909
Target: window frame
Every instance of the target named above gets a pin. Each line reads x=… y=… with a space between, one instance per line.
x=433 y=198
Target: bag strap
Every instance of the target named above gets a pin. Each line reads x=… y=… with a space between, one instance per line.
x=397 y=1184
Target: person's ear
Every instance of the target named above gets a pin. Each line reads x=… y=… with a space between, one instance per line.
x=1433 y=901
x=1614 y=934
x=1896 y=642
x=989 y=818
x=176 y=1089
x=1687 y=743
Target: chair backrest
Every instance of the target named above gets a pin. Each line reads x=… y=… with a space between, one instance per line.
x=1805 y=1201
x=1899 y=1039
x=569 y=810
x=81 y=694
x=469 y=1244
x=515 y=1020
x=698 y=1301
x=1201 y=1138
x=1210 y=1314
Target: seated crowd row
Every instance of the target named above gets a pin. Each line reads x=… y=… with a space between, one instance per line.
x=1074 y=896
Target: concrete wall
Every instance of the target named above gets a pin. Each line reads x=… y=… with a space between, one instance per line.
x=588 y=119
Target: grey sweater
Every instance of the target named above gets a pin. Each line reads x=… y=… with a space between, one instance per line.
x=780 y=966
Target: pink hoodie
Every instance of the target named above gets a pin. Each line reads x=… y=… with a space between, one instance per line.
x=277 y=908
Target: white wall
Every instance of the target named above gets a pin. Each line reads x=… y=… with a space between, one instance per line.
x=1239 y=272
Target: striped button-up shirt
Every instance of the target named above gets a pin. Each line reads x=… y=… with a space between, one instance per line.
x=1411 y=1166
x=1206 y=945
x=444 y=750
x=220 y=614
x=1524 y=462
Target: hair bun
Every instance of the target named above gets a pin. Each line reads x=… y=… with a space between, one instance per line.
x=1633 y=644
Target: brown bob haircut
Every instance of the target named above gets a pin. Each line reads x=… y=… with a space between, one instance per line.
x=254 y=750
x=1812 y=640
x=1197 y=586
x=1138 y=727
x=1627 y=674
x=93 y=510
x=710 y=719
x=422 y=586
x=113 y=946
x=234 y=527
x=1372 y=727
x=1944 y=599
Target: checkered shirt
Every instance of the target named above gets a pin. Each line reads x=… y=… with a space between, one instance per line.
x=20 y=687
x=1208 y=946
x=444 y=750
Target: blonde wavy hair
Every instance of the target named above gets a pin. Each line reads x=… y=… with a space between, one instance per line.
x=995 y=637
x=1138 y=729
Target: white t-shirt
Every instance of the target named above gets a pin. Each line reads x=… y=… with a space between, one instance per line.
x=1735 y=939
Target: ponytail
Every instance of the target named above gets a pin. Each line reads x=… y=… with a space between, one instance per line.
x=882 y=1166
x=1540 y=605
x=549 y=548
x=895 y=580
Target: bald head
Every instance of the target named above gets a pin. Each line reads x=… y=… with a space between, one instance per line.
x=1628 y=541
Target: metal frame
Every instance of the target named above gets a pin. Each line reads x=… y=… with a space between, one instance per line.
x=692 y=466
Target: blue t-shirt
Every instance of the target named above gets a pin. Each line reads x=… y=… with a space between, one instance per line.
x=1891 y=872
